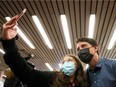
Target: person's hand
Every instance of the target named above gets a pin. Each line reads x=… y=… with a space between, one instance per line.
x=9 y=28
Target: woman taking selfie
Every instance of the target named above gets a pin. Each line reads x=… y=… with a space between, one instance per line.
x=70 y=75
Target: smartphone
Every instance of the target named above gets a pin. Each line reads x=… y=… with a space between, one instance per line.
x=21 y=14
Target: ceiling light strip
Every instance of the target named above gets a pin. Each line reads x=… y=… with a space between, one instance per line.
x=66 y=31
x=49 y=67
x=2 y=51
x=91 y=26
x=112 y=40
x=42 y=31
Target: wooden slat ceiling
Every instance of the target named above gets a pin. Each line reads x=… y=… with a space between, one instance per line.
x=49 y=11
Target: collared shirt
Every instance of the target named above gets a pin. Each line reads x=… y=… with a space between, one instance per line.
x=104 y=74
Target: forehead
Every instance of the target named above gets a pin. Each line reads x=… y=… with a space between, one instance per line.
x=79 y=44
x=68 y=57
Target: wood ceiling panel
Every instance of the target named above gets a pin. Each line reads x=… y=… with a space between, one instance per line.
x=105 y=27
x=82 y=15
x=67 y=13
x=78 y=22
x=98 y=17
x=87 y=16
x=54 y=33
x=48 y=12
x=59 y=29
x=102 y=20
x=73 y=28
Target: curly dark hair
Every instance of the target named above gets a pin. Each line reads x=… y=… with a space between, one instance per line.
x=80 y=77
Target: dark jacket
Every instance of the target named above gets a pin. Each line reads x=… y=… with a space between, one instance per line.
x=13 y=82
x=29 y=76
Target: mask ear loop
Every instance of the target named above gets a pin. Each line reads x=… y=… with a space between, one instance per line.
x=94 y=53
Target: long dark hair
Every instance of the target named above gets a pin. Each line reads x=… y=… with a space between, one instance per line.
x=80 y=78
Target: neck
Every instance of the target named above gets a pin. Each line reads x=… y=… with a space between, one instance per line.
x=94 y=61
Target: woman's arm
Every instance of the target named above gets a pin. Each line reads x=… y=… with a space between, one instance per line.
x=18 y=65
x=14 y=60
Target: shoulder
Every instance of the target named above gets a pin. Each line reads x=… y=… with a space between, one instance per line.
x=109 y=63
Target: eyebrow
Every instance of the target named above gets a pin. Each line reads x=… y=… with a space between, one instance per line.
x=81 y=46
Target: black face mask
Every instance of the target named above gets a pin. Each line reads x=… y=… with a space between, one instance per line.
x=85 y=56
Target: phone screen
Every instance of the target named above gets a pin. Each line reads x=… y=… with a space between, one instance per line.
x=21 y=14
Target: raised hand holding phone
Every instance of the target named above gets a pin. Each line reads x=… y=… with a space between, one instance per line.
x=9 y=28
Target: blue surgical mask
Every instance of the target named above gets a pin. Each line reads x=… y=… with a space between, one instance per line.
x=68 y=68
